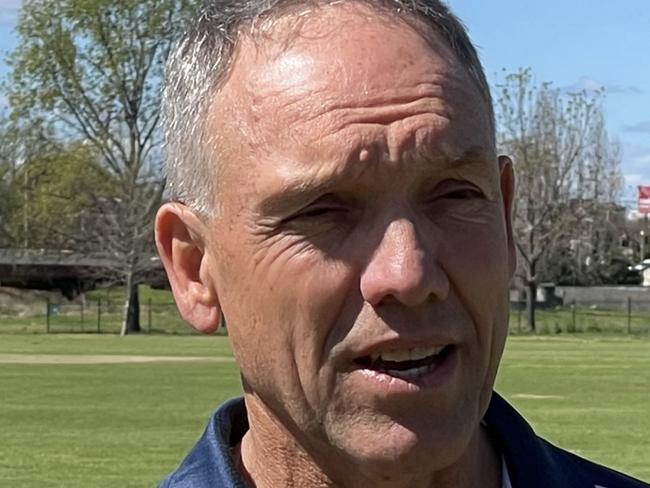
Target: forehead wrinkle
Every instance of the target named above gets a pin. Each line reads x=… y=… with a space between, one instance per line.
x=427 y=101
x=302 y=95
x=301 y=185
x=265 y=110
x=360 y=103
x=340 y=118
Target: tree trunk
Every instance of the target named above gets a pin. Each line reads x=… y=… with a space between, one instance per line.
x=531 y=298
x=131 y=322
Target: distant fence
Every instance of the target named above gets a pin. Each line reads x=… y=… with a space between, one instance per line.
x=626 y=316
x=104 y=316
x=100 y=316
x=606 y=297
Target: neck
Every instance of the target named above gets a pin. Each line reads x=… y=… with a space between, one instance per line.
x=271 y=457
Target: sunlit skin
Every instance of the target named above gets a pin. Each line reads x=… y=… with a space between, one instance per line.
x=362 y=208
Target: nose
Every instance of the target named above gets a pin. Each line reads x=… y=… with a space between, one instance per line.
x=402 y=269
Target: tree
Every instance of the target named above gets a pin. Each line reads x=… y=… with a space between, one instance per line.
x=52 y=208
x=594 y=255
x=6 y=202
x=90 y=70
x=566 y=169
x=18 y=143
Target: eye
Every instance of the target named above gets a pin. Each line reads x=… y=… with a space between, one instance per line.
x=462 y=194
x=318 y=211
x=323 y=209
x=453 y=189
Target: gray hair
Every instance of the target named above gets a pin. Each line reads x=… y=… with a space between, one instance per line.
x=202 y=56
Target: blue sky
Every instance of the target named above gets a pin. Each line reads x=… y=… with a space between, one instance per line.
x=576 y=44
x=573 y=43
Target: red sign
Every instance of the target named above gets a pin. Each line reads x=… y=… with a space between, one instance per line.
x=644 y=199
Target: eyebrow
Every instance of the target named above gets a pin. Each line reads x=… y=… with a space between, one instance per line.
x=299 y=190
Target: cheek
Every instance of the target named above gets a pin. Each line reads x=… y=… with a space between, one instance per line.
x=475 y=255
x=476 y=261
x=284 y=316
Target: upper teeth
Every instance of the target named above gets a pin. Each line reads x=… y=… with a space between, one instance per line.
x=413 y=354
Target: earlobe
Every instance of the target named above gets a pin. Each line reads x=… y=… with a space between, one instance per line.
x=179 y=238
x=508 y=193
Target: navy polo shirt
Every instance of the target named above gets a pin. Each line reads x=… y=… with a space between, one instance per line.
x=532 y=462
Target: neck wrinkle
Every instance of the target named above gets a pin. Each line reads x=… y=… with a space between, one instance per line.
x=271 y=457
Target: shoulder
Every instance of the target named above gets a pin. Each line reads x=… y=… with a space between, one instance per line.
x=210 y=463
x=588 y=472
x=535 y=463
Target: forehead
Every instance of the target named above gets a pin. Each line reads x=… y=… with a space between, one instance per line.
x=343 y=51
x=348 y=72
x=342 y=47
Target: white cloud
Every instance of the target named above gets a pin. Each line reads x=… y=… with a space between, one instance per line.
x=587 y=84
x=591 y=85
x=643 y=127
x=624 y=89
x=9 y=11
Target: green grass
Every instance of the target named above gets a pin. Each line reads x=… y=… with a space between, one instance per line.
x=105 y=425
x=154 y=345
x=127 y=425
x=588 y=394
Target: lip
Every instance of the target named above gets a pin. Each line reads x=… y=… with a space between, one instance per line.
x=381 y=384
x=400 y=342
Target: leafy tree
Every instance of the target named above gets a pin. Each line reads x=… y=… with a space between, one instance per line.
x=566 y=169
x=52 y=208
x=17 y=144
x=90 y=70
x=6 y=203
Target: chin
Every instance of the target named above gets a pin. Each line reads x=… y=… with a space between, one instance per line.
x=397 y=447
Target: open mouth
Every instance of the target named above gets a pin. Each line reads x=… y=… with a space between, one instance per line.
x=406 y=364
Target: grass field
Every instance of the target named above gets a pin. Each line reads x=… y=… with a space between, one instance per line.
x=110 y=422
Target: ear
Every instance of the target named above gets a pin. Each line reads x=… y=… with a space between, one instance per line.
x=180 y=238
x=508 y=195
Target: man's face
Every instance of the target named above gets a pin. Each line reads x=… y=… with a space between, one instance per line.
x=361 y=252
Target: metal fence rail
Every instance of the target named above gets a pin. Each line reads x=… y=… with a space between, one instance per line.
x=104 y=316
x=90 y=316
x=628 y=317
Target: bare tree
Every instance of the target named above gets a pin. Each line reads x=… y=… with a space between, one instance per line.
x=565 y=165
x=91 y=71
